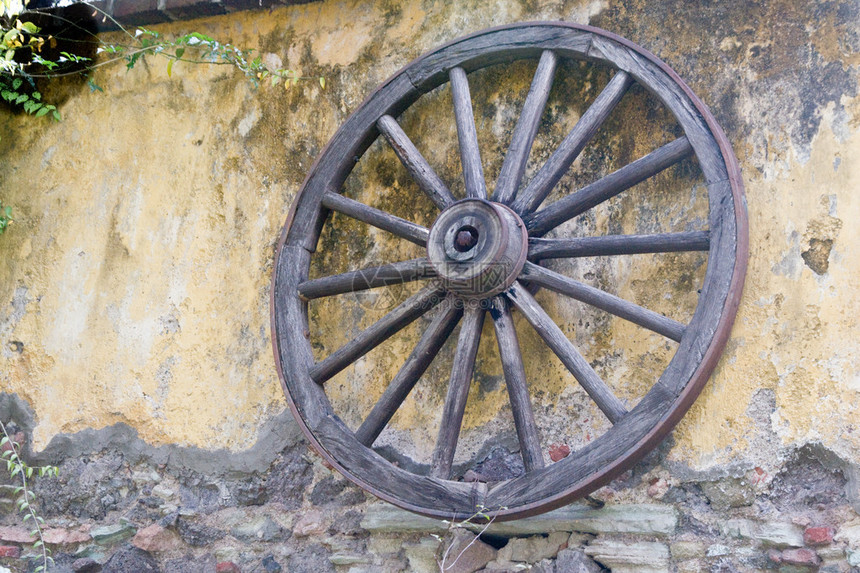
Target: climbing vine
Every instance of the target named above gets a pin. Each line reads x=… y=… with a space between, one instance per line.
x=25 y=498
x=29 y=53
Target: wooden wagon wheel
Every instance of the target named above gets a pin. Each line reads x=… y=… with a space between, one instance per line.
x=483 y=255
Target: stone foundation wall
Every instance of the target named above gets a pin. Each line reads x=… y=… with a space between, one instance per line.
x=135 y=349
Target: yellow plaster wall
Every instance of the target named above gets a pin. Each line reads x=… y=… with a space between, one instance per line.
x=136 y=273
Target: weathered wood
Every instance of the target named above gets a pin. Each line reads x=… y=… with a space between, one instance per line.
x=595 y=461
x=567 y=353
x=540 y=249
x=458 y=391
x=714 y=292
x=627 y=310
x=560 y=161
x=424 y=175
x=367 y=278
x=387 y=481
x=514 y=165
x=380 y=219
x=336 y=162
x=470 y=153
x=515 y=380
x=406 y=378
x=377 y=333
x=540 y=222
x=674 y=94
x=651 y=419
x=499 y=46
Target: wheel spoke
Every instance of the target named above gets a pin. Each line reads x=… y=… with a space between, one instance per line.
x=627 y=310
x=408 y=375
x=553 y=215
x=524 y=134
x=458 y=391
x=427 y=179
x=561 y=160
x=380 y=219
x=540 y=249
x=515 y=379
x=470 y=155
x=378 y=332
x=567 y=353
x=370 y=277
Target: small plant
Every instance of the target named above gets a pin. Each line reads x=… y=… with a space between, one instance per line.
x=5 y=217
x=24 y=473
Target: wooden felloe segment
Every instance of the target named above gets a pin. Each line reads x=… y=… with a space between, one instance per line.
x=431 y=491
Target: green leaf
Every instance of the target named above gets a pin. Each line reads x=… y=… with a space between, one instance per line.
x=4 y=440
x=21 y=99
x=179 y=52
x=56 y=115
x=16 y=83
x=29 y=472
x=170 y=68
x=30 y=27
x=322 y=83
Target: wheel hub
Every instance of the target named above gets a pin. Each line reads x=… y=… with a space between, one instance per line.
x=477 y=247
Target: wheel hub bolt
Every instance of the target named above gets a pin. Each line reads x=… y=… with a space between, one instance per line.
x=466 y=238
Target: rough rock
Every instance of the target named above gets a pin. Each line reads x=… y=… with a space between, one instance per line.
x=129 y=559
x=775 y=533
x=818 y=535
x=227 y=567
x=421 y=554
x=156 y=538
x=311 y=559
x=311 y=523
x=728 y=493
x=645 y=519
x=638 y=557
x=683 y=550
x=59 y=536
x=114 y=533
x=288 y=479
x=575 y=561
x=533 y=549
x=198 y=534
x=467 y=554
x=261 y=528
x=270 y=565
x=13 y=534
x=86 y=565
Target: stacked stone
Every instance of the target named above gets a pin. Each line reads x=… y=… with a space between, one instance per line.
x=114 y=512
